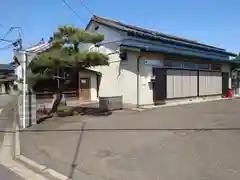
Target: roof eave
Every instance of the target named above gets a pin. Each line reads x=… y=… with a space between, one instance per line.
x=231 y=54
x=144 y=49
x=89 y=23
x=197 y=45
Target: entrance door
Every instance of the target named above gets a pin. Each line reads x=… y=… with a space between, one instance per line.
x=225 y=82
x=84 y=89
x=159 y=86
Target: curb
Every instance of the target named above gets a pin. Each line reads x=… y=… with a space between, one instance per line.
x=44 y=170
x=7 y=155
x=184 y=103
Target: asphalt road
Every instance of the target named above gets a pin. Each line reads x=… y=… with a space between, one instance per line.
x=4 y=101
x=5 y=173
x=188 y=142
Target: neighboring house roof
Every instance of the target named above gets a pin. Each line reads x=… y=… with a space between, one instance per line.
x=6 y=67
x=9 y=69
x=39 y=47
x=149 y=34
x=8 y=78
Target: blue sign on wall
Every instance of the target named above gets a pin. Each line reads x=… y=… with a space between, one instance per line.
x=153 y=62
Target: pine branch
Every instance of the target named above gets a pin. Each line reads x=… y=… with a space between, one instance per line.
x=33 y=78
x=65 y=54
x=69 y=34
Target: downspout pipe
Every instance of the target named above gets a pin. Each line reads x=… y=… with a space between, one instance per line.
x=138 y=79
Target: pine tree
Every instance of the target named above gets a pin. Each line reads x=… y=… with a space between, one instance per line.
x=65 y=54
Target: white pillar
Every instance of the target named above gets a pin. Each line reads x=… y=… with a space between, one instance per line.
x=230 y=81
x=24 y=90
x=3 y=88
x=11 y=88
x=238 y=79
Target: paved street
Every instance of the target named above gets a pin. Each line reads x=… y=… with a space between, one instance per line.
x=5 y=115
x=6 y=174
x=196 y=141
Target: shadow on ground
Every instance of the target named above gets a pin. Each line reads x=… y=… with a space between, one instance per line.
x=197 y=141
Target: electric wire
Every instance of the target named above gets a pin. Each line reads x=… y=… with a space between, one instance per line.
x=86 y=7
x=73 y=11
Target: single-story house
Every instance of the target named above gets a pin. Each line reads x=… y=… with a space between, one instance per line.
x=148 y=67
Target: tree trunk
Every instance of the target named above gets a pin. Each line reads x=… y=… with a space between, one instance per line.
x=56 y=102
x=59 y=96
x=60 y=90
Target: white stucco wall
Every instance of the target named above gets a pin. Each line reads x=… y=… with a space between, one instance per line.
x=145 y=72
x=128 y=79
x=109 y=84
x=18 y=69
x=145 y=87
x=20 y=56
x=120 y=77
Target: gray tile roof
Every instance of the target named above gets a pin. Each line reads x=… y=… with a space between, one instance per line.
x=6 y=67
x=40 y=47
x=8 y=78
x=134 y=30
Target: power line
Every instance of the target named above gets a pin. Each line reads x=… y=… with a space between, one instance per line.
x=85 y=6
x=14 y=27
x=9 y=31
x=73 y=11
x=15 y=43
x=11 y=28
x=5 y=40
x=2 y=26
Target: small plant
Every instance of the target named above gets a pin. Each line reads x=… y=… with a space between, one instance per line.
x=61 y=109
x=42 y=110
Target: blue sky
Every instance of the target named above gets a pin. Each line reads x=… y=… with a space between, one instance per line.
x=214 y=22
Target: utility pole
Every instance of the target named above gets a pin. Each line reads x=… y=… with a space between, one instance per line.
x=20 y=39
x=24 y=77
